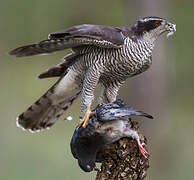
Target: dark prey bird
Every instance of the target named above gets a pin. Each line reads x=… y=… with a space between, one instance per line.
x=100 y=54
x=110 y=123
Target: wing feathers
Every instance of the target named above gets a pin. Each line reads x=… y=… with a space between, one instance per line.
x=52 y=72
x=61 y=68
x=43 y=47
x=102 y=33
x=28 y=50
x=76 y=36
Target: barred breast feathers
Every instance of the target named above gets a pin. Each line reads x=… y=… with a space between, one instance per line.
x=139 y=47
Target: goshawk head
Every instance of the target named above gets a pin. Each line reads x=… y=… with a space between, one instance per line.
x=153 y=27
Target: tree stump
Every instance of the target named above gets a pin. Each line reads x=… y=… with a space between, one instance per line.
x=123 y=161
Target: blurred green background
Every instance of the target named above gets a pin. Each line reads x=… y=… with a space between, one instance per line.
x=166 y=90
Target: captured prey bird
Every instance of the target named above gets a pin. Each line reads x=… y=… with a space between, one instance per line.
x=110 y=123
x=100 y=55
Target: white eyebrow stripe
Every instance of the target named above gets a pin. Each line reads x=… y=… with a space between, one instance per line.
x=152 y=19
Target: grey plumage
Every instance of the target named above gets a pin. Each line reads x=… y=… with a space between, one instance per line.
x=110 y=123
x=100 y=54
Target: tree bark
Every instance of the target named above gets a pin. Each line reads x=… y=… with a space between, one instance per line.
x=123 y=161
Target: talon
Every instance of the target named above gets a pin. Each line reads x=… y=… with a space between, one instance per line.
x=134 y=124
x=86 y=117
x=142 y=149
x=81 y=122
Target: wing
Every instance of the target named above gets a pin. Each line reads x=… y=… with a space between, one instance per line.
x=61 y=68
x=76 y=36
x=117 y=110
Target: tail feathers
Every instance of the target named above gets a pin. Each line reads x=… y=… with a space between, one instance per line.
x=140 y=113
x=43 y=114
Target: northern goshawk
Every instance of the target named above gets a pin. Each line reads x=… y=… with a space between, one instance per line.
x=100 y=54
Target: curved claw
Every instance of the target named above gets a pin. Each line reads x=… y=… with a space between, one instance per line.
x=86 y=117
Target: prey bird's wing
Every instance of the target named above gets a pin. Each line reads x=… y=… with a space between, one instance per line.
x=117 y=110
x=114 y=114
x=76 y=36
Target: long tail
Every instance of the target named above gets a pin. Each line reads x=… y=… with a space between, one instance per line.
x=53 y=104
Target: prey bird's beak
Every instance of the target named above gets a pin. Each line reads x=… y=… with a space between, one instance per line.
x=171 y=28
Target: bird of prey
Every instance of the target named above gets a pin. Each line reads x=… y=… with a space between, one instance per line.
x=100 y=54
x=110 y=123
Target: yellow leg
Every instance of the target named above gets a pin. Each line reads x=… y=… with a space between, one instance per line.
x=86 y=117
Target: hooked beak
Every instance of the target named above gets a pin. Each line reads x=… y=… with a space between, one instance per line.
x=171 y=27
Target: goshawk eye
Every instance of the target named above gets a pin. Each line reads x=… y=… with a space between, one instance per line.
x=157 y=23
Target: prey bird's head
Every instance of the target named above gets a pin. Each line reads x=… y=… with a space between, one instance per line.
x=153 y=27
